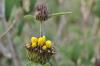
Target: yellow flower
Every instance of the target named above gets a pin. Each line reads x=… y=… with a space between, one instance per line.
x=44 y=37
x=34 y=45
x=48 y=44
x=44 y=47
x=41 y=40
x=34 y=40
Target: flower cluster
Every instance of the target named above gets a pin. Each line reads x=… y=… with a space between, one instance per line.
x=40 y=50
x=41 y=42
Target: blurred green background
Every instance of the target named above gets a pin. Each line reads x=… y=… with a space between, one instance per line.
x=76 y=36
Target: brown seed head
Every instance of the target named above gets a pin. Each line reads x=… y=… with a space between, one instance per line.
x=41 y=12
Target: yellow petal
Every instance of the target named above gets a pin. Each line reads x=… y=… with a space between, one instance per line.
x=48 y=44
x=41 y=41
x=34 y=39
x=44 y=37
x=44 y=47
x=34 y=45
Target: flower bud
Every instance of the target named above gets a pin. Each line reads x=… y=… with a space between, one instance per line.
x=48 y=44
x=41 y=41
x=44 y=47
x=34 y=45
x=34 y=40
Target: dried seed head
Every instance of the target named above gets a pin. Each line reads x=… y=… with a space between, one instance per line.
x=41 y=12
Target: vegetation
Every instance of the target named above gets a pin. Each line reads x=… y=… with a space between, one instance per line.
x=70 y=26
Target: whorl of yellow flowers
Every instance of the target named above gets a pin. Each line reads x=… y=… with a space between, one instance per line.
x=40 y=50
x=42 y=42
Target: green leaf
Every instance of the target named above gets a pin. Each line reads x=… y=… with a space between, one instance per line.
x=20 y=26
x=9 y=4
x=72 y=51
x=33 y=64
x=47 y=64
x=18 y=2
x=87 y=63
x=8 y=8
x=32 y=3
x=96 y=9
x=26 y=18
x=29 y=64
x=77 y=48
x=29 y=18
x=90 y=48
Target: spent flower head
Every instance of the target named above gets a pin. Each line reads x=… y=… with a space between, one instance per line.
x=41 y=12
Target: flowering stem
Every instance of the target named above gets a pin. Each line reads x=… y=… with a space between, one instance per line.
x=40 y=28
x=60 y=13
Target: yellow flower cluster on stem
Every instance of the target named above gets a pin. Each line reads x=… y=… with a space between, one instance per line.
x=41 y=41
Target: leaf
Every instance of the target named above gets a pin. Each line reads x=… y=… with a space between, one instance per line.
x=90 y=48
x=29 y=18
x=32 y=3
x=96 y=9
x=18 y=3
x=47 y=64
x=8 y=8
x=77 y=48
x=29 y=64
x=73 y=50
x=87 y=63
x=20 y=26
x=9 y=4
x=32 y=64
x=26 y=18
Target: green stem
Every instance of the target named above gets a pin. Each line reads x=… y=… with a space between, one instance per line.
x=41 y=29
x=60 y=13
